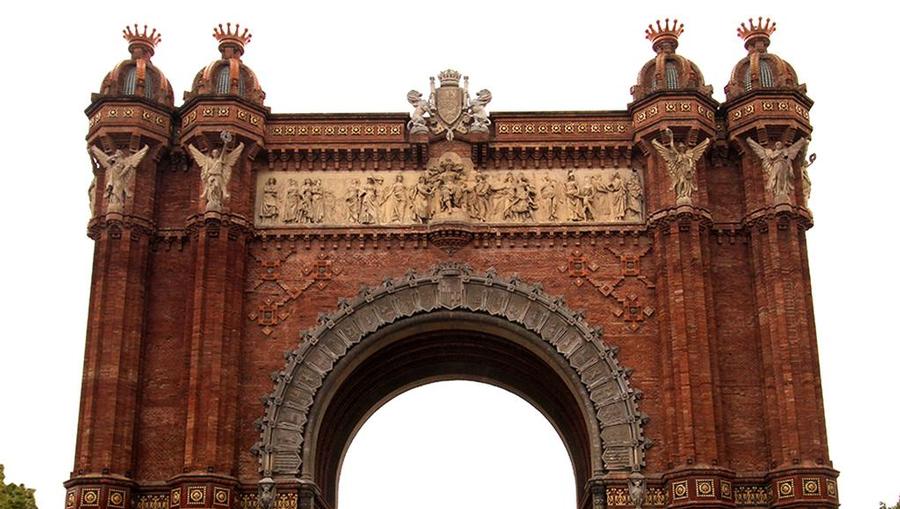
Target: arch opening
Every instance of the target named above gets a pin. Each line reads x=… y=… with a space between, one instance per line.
x=454 y=444
x=448 y=324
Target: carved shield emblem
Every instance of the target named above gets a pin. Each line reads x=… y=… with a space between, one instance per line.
x=449 y=101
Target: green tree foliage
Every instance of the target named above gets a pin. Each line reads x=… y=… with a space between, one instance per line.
x=885 y=506
x=15 y=496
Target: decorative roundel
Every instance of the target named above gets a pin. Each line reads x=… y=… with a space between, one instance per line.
x=221 y=496
x=70 y=499
x=196 y=495
x=680 y=490
x=90 y=497
x=811 y=486
x=704 y=488
x=831 y=488
x=115 y=498
x=785 y=489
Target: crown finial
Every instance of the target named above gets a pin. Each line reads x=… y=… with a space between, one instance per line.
x=231 y=40
x=664 y=36
x=141 y=44
x=756 y=36
x=449 y=78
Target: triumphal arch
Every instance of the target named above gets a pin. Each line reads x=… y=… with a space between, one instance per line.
x=263 y=282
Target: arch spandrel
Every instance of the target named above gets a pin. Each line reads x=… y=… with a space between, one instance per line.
x=617 y=432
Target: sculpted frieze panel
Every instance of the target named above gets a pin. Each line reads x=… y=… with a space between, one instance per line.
x=449 y=189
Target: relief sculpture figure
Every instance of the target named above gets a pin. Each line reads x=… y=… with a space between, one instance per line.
x=215 y=172
x=681 y=163
x=574 y=198
x=480 y=202
x=316 y=202
x=268 y=209
x=617 y=195
x=778 y=166
x=352 y=200
x=395 y=199
x=550 y=196
x=292 y=202
x=120 y=168
x=420 y=201
x=450 y=189
x=522 y=201
x=635 y=198
x=368 y=201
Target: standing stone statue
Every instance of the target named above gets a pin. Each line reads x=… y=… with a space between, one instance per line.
x=681 y=162
x=120 y=170
x=807 y=182
x=637 y=490
x=92 y=192
x=292 y=202
x=215 y=172
x=778 y=166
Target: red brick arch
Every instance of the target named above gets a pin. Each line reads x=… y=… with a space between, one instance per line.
x=448 y=324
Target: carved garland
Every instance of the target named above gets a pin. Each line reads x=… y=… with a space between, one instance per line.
x=451 y=287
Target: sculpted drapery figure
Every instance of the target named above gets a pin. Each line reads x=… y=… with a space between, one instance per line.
x=574 y=198
x=215 y=172
x=395 y=199
x=120 y=168
x=617 y=197
x=550 y=195
x=635 y=208
x=268 y=209
x=522 y=204
x=368 y=201
x=293 y=200
x=352 y=201
x=480 y=202
x=681 y=163
x=804 y=168
x=778 y=166
x=421 y=196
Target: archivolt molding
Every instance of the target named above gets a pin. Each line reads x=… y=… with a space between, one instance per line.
x=451 y=287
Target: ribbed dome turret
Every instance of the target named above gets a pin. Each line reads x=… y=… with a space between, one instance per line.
x=760 y=70
x=137 y=76
x=228 y=76
x=669 y=71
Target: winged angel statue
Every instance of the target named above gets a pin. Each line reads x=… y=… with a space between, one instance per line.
x=215 y=171
x=120 y=168
x=778 y=164
x=681 y=162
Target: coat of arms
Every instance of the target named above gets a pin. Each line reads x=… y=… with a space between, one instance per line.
x=449 y=108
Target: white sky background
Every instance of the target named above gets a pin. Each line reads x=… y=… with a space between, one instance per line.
x=346 y=57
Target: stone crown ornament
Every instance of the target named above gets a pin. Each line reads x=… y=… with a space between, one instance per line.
x=756 y=32
x=141 y=39
x=664 y=35
x=236 y=38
